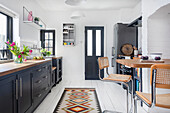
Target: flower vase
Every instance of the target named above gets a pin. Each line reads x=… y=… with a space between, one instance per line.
x=18 y=60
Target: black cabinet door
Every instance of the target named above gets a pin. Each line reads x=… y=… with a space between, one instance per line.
x=49 y=74
x=53 y=78
x=8 y=95
x=55 y=64
x=59 y=68
x=25 y=92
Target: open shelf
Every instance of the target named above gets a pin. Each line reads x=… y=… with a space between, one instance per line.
x=68 y=34
x=29 y=19
x=54 y=68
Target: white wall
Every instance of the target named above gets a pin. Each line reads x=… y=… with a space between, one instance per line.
x=147 y=11
x=159 y=36
x=74 y=58
x=27 y=33
x=73 y=63
x=154 y=37
x=148 y=8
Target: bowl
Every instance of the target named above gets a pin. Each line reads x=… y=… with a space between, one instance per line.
x=155 y=56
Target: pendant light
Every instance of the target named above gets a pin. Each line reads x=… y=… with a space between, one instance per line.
x=77 y=15
x=75 y=2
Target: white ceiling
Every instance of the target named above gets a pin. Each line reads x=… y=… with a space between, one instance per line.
x=59 y=5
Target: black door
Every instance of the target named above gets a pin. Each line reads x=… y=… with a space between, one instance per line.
x=8 y=95
x=25 y=92
x=94 y=48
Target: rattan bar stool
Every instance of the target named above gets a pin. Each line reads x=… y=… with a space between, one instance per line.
x=159 y=78
x=117 y=78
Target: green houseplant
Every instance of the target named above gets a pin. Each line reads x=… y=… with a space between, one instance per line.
x=20 y=55
x=45 y=52
x=36 y=20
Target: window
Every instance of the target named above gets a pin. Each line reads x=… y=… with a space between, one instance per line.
x=48 y=40
x=98 y=42
x=6 y=33
x=89 y=39
x=3 y=31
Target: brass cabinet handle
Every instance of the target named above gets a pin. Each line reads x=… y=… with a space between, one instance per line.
x=39 y=95
x=45 y=77
x=46 y=88
x=45 y=67
x=39 y=70
x=16 y=83
x=39 y=81
x=20 y=87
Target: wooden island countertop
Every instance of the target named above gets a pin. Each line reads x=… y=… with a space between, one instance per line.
x=55 y=57
x=11 y=67
x=135 y=63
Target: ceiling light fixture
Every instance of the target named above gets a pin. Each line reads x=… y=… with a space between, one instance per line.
x=77 y=15
x=75 y=2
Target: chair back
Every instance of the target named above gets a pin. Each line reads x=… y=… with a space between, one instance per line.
x=103 y=62
x=162 y=75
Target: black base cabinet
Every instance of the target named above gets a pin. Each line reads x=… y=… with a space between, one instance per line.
x=25 y=97
x=23 y=91
x=53 y=78
x=41 y=83
x=58 y=71
x=8 y=95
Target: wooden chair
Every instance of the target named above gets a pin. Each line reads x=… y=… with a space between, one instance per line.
x=159 y=78
x=117 y=78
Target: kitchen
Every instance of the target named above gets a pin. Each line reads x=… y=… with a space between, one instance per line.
x=55 y=14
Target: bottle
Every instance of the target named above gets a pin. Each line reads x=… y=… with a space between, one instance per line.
x=135 y=51
x=140 y=51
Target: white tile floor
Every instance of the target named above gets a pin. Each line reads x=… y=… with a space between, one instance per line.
x=111 y=96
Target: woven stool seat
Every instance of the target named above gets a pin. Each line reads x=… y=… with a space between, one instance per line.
x=118 y=77
x=162 y=100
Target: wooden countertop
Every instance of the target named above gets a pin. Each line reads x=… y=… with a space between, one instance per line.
x=54 y=57
x=137 y=64
x=11 y=67
x=6 y=61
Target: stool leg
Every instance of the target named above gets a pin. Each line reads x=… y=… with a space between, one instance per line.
x=127 y=99
x=108 y=111
x=135 y=104
x=131 y=109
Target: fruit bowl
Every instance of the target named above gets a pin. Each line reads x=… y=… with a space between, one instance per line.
x=155 y=56
x=38 y=58
x=144 y=57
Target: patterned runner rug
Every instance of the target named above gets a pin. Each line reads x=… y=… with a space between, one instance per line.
x=78 y=100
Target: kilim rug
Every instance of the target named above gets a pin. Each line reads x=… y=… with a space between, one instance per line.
x=78 y=100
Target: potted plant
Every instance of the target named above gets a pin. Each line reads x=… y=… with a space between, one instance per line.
x=45 y=52
x=19 y=53
x=36 y=20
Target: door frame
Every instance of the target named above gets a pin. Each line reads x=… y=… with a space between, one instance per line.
x=84 y=45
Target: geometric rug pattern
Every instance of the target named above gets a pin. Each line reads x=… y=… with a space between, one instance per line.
x=78 y=100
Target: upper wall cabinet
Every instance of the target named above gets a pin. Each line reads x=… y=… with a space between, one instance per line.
x=68 y=34
x=32 y=20
x=136 y=23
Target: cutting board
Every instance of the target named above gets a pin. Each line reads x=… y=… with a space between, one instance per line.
x=152 y=61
